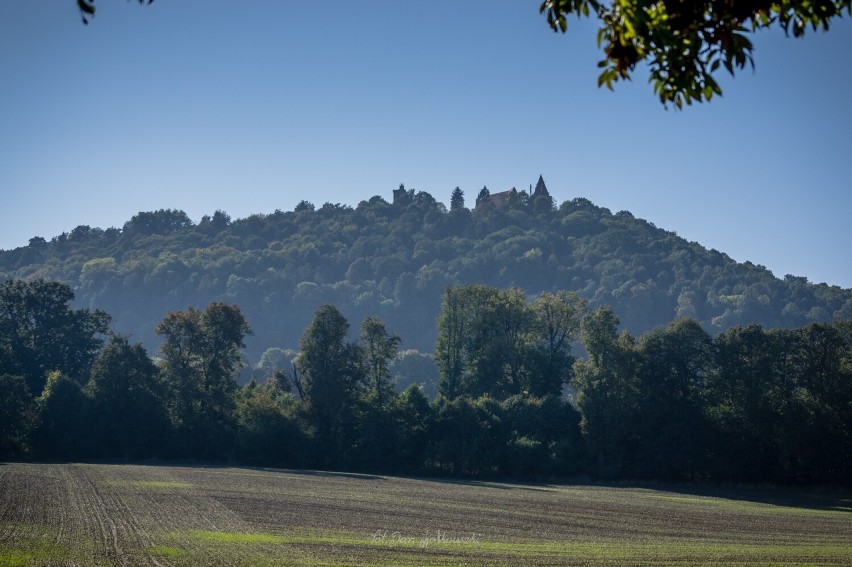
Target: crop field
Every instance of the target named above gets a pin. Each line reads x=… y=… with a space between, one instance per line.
x=84 y=514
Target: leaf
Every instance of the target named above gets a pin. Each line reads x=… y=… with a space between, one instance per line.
x=86 y=8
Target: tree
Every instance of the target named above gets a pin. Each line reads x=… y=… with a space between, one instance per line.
x=415 y=416
x=15 y=416
x=483 y=195
x=453 y=323
x=201 y=354
x=684 y=42
x=379 y=349
x=267 y=433
x=557 y=321
x=457 y=200
x=817 y=424
x=129 y=414
x=607 y=392
x=676 y=364
x=64 y=411
x=40 y=332
x=466 y=436
x=332 y=373
x=378 y=420
x=502 y=343
x=493 y=342
x=164 y=221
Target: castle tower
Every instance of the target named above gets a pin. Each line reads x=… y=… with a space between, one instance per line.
x=540 y=188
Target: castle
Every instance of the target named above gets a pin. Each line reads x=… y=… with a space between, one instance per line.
x=503 y=197
x=403 y=196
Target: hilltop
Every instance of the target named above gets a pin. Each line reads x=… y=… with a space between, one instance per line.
x=394 y=259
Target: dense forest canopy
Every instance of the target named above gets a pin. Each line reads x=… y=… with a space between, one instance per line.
x=675 y=404
x=394 y=259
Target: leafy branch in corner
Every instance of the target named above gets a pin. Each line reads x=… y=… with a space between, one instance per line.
x=684 y=42
x=87 y=8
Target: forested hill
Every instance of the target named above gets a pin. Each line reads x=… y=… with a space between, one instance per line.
x=393 y=260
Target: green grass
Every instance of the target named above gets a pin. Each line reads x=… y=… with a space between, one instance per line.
x=164 y=551
x=20 y=557
x=184 y=516
x=227 y=537
x=40 y=549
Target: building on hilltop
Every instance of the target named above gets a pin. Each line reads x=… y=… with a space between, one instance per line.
x=403 y=196
x=540 y=188
x=500 y=199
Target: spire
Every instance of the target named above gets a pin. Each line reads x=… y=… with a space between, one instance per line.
x=540 y=188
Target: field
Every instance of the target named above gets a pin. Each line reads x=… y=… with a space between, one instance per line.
x=83 y=514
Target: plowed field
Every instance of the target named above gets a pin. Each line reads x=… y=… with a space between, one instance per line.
x=81 y=514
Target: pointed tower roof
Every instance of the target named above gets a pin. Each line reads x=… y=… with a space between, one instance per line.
x=540 y=188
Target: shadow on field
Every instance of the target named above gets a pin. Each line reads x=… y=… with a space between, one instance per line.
x=831 y=499
x=803 y=498
x=327 y=474
x=201 y=465
x=507 y=484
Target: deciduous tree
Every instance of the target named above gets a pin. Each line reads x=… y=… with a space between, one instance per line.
x=333 y=375
x=557 y=322
x=129 y=414
x=40 y=332
x=201 y=354
x=379 y=349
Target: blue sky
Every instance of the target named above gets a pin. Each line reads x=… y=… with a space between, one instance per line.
x=253 y=106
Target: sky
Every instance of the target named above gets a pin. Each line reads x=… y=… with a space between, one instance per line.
x=249 y=107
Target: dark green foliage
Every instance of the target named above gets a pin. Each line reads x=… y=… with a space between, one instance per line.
x=201 y=353
x=608 y=394
x=16 y=416
x=129 y=418
x=675 y=364
x=164 y=221
x=40 y=332
x=677 y=404
x=483 y=195
x=332 y=378
x=457 y=200
x=379 y=349
x=781 y=402
x=414 y=430
x=542 y=437
x=493 y=342
x=380 y=435
x=466 y=436
x=268 y=433
x=752 y=405
x=394 y=260
x=64 y=429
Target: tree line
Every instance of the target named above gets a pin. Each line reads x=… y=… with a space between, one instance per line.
x=513 y=401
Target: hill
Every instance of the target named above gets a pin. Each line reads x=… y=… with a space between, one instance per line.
x=393 y=259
